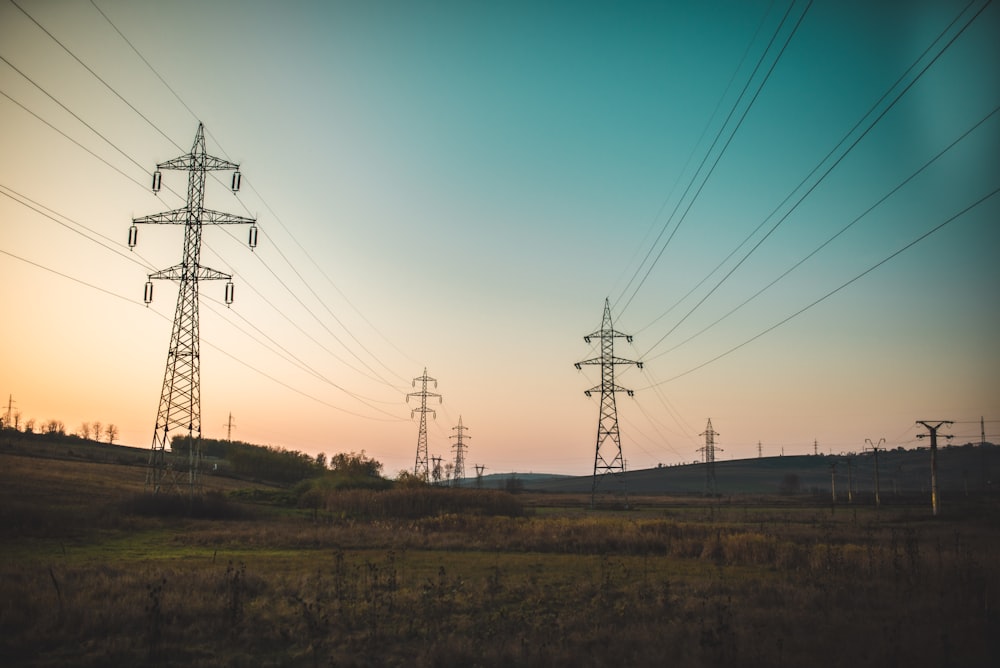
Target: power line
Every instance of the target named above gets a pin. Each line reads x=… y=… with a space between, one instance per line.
x=835 y=290
x=832 y=238
x=725 y=146
x=96 y=76
x=819 y=180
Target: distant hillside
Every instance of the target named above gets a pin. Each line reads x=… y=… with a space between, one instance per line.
x=961 y=469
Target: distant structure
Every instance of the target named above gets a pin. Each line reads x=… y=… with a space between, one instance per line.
x=180 y=398
x=420 y=468
x=459 y=447
x=436 y=470
x=229 y=428
x=932 y=428
x=760 y=451
x=875 y=447
x=479 y=475
x=607 y=425
x=709 y=451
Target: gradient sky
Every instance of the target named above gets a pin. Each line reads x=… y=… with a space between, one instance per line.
x=460 y=185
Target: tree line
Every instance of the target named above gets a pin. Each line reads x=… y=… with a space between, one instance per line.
x=88 y=431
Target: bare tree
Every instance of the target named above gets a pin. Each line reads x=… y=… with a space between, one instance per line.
x=55 y=427
x=85 y=431
x=95 y=426
x=29 y=426
x=17 y=419
x=111 y=431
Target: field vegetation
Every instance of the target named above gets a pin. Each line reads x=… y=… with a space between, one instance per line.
x=321 y=573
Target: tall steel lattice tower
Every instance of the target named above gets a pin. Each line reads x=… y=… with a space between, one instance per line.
x=709 y=449
x=180 y=399
x=607 y=425
x=420 y=468
x=459 y=448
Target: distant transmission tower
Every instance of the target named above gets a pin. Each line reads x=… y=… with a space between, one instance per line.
x=180 y=399
x=607 y=424
x=229 y=428
x=459 y=450
x=420 y=468
x=436 y=470
x=479 y=475
x=709 y=450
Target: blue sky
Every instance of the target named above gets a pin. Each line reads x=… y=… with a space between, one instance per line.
x=459 y=186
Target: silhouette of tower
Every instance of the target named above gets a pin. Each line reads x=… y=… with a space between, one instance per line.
x=610 y=461
x=459 y=447
x=180 y=398
x=709 y=449
x=420 y=468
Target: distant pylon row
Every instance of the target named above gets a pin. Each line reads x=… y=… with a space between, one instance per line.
x=421 y=467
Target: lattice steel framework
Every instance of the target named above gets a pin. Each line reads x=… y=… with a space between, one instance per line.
x=459 y=448
x=709 y=451
x=607 y=424
x=180 y=399
x=420 y=467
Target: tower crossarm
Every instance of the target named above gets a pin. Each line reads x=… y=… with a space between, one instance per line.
x=183 y=216
x=177 y=273
x=201 y=162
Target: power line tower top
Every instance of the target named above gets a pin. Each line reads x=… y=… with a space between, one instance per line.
x=606 y=462
x=459 y=448
x=420 y=467
x=180 y=398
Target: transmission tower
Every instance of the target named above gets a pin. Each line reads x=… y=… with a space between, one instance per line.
x=709 y=450
x=607 y=424
x=479 y=475
x=933 y=432
x=180 y=399
x=229 y=428
x=420 y=468
x=459 y=447
x=436 y=470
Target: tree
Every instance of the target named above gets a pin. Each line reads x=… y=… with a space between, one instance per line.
x=111 y=431
x=85 y=431
x=96 y=427
x=55 y=427
x=321 y=460
x=356 y=465
x=29 y=426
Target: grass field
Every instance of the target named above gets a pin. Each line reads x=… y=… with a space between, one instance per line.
x=531 y=580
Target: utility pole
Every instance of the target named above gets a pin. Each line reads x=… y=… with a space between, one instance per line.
x=875 y=447
x=479 y=475
x=850 y=480
x=932 y=427
x=180 y=398
x=607 y=424
x=10 y=411
x=833 y=481
x=815 y=447
x=709 y=449
x=420 y=467
x=229 y=428
x=459 y=451
x=760 y=452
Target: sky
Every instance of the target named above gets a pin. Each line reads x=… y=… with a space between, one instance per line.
x=459 y=187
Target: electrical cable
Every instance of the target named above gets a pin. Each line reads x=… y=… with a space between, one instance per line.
x=725 y=146
x=833 y=166
x=795 y=266
x=837 y=289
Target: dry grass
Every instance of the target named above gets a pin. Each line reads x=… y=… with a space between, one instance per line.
x=689 y=584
